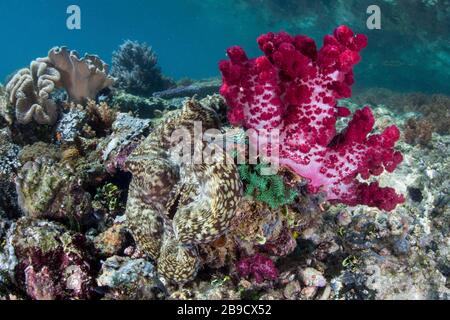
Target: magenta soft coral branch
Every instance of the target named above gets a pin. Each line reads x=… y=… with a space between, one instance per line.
x=294 y=88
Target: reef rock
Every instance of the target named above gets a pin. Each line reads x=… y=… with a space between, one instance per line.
x=52 y=263
x=9 y=164
x=124 y=278
x=200 y=89
x=51 y=190
x=127 y=133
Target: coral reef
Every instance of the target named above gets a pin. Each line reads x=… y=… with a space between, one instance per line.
x=52 y=263
x=293 y=88
x=96 y=203
x=9 y=164
x=50 y=190
x=135 y=66
x=202 y=198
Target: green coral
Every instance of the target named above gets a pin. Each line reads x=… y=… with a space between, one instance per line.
x=50 y=190
x=36 y=150
x=108 y=197
x=269 y=189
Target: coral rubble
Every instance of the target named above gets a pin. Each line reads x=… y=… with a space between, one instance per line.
x=48 y=190
x=52 y=263
x=418 y=132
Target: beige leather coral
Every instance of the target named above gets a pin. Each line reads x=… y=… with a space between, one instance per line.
x=83 y=78
x=29 y=91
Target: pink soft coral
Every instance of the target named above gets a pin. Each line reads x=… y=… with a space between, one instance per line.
x=294 y=88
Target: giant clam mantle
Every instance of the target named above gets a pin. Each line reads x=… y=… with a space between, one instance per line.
x=175 y=205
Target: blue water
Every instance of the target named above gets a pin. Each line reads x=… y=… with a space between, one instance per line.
x=187 y=39
x=191 y=36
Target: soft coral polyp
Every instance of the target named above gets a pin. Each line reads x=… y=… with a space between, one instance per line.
x=294 y=88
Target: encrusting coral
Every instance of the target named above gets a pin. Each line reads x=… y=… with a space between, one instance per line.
x=294 y=89
x=5 y=107
x=418 y=131
x=9 y=164
x=52 y=263
x=174 y=205
x=135 y=66
x=50 y=190
x=129 y=279
x=258 y=266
